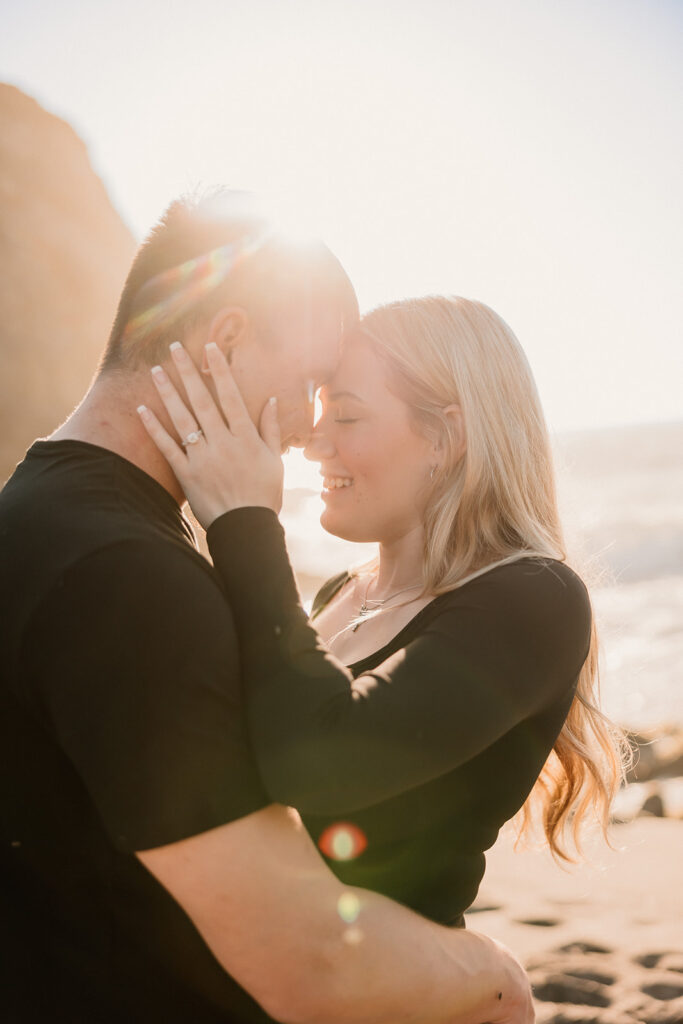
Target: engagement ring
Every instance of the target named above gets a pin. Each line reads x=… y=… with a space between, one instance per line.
x=193 y=437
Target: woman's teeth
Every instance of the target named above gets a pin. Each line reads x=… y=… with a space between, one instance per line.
x=331 y=483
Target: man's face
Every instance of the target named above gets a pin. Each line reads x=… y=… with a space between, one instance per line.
x=291 y=363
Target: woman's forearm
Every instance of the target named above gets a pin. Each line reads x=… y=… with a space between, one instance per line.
x=330 y=744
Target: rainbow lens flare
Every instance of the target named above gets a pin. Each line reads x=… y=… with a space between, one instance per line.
x=342 y=841
x=173 y=292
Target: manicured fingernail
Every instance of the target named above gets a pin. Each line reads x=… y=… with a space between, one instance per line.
x=175 y=346
x=272 y=401
x=211 y=346
x=159 y=373
x=143 y=411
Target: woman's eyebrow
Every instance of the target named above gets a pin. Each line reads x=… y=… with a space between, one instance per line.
x=343 y=394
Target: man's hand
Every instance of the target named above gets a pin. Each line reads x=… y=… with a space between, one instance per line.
x=269 y=909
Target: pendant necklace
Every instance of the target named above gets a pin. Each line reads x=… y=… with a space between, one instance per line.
x=370 y=605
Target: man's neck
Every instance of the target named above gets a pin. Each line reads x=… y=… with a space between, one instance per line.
x=108 y=417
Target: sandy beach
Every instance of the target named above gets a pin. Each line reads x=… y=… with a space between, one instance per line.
x=602 y=941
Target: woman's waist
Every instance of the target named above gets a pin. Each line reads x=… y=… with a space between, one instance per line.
x=430 y=874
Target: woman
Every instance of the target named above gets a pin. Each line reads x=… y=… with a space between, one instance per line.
x=469 y=644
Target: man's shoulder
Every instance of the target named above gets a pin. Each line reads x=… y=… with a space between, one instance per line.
x=136 y=607
x=68 y=503
x=138 y=568
x=74 y=536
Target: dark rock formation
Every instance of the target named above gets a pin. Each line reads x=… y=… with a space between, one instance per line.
x=657 y=754
x=64 y=254
x=654 y=806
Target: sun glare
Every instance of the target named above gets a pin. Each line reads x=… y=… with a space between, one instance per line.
x=465 y=156
x=294 y=217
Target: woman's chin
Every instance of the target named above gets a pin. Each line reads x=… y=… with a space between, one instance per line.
x=344 y=527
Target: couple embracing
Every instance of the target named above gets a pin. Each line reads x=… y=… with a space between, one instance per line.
x=183 y=746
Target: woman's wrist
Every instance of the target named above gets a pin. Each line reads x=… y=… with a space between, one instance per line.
x=224 y=507
x=241 y=518
x=247 y=545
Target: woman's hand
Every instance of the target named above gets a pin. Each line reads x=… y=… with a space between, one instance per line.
x=223 y=462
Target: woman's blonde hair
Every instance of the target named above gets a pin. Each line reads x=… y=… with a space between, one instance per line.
x=496 y=503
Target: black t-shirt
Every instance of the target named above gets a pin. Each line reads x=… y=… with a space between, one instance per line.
x=427 y=746
x=121 y=730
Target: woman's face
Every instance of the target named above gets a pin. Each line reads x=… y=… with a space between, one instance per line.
x=375 y=466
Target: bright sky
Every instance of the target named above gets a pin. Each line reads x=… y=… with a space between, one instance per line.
x=528 y=153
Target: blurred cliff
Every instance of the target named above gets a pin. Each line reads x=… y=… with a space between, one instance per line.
x=64 y=254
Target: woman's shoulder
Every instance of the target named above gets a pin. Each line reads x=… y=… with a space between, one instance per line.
x=328 y=591
x=534 y=612
x=530 y=576
x=549 y=572
x=528 y=592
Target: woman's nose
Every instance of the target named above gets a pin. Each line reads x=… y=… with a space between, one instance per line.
x=319 y=446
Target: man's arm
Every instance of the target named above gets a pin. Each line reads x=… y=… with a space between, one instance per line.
x=144 y=699
x=268 y=908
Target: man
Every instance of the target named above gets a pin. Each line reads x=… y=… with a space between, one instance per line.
x=146 y=876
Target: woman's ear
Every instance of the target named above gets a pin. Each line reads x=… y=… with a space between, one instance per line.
x=457 y=423
x=228 y=329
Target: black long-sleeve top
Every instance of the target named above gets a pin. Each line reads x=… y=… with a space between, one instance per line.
x=427 y=746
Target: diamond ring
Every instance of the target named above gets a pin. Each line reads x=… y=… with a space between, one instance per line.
x=193 y=437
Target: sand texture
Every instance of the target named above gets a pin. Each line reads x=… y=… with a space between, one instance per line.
x=602 y=941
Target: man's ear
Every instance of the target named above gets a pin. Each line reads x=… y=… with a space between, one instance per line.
x=229 y=328
x=457 y=423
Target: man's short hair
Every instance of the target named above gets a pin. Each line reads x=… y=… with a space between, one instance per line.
x=217 y=250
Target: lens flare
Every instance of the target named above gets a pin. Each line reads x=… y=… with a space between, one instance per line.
x=164 y=297
x=342 y=841
x=348 y=907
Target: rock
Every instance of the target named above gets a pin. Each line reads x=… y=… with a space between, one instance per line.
x=658 y=754
x=672 y=1013
x=642 y=767
x=632 y=799
x=564 y=988
x=649 y=959
x=669 y=751
x=671 y=962
x=628 y=802
x=567 y=1015
x=579 y=946
x=664 y=990
x=582 y=983
x=573 y=964
x=64 y=255
x=653 y=805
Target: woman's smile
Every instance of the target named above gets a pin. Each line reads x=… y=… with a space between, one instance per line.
x=332 y=484
x=368 y=447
